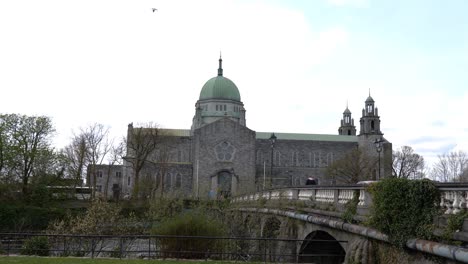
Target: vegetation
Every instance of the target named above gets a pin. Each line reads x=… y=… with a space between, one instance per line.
x=191 y=223
x=23 y=218
x=38 y=245
x=407 y=164
x=91 y=223
x=355 y=166
x=404 y=209
x=43 y=260
x=454 y=224
x=452 y=166
x=25 y=152
x=351 y=208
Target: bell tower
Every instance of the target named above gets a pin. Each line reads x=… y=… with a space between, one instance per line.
x=347 y=127
x=370 y=120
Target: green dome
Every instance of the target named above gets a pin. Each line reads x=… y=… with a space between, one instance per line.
x=220 y=87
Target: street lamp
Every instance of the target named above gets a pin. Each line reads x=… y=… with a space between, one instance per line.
x=378 y=146
x=272 y=142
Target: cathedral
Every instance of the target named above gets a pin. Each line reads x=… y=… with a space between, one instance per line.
x=220 y=156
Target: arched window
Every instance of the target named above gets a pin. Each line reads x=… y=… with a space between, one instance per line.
x=277 y=158
x=372 y=125
x=349 y=132
x=259 y=157
x=178 y=181
x=168 y=181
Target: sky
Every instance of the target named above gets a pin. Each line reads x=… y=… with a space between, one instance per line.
x=297 y=64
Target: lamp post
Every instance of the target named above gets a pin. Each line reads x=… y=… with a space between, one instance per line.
x=378 y=146
x=272 y=142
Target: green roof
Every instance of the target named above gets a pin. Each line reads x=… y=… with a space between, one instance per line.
x=307 y=137
x=220 y=87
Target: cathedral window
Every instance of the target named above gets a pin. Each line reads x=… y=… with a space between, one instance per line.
x=168 y=181
x=277 y=158
x=372 y=125
x=317 y=159
x=329 y=158
x=178 y=180
x=118 y=174
x=259 y=157
x=179 y=156
x=225 y=151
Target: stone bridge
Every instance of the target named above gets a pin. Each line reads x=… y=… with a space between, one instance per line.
x=314 y=215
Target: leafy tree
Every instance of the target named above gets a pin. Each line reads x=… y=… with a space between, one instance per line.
x=407 y=164
x=355 y=166
x=25 y=140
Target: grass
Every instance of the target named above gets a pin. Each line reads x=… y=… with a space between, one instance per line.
x=71 y=260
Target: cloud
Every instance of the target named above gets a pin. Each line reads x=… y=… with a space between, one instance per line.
x=352 y=3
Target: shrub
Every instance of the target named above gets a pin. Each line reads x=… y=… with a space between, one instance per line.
x=192 y=223
x=18 y=218
x=38 y=245
x=101 y=218
x=404 y=209
x=351 y=209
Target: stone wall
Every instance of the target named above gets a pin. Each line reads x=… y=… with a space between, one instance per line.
x=223 y=146
x=296 y=160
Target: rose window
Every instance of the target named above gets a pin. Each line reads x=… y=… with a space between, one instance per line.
x=224 y=151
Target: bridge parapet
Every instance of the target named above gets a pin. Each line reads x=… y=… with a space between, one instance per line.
x=454 y=196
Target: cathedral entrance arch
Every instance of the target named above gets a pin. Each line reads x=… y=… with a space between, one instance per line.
x=224 y=183
x=321 y=247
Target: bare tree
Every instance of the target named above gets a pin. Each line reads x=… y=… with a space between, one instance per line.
x=451 y=167
x=76 y=153
x=98 y=146
x=407 y=164
x=141 y=142
x=114 y=158
x=162 y=163
x=355 y=166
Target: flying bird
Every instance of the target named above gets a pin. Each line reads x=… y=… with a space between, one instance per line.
x=155 y=9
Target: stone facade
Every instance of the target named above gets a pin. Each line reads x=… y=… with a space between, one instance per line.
x=220 y=156
x=109 y=180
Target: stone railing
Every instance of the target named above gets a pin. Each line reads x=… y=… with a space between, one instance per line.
x=454 y=196
x=337 y=196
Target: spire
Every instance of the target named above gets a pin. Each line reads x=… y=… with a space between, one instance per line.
x=220 y=69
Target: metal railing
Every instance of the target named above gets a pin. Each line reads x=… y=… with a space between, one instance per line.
x=163 y=247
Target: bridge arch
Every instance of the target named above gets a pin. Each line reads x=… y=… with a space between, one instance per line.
x=321 y=247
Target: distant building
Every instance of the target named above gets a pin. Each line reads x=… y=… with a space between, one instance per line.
x=109 y=181
x=221 y=156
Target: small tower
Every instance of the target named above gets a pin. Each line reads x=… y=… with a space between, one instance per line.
x=370 y=120
x=347 y=127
